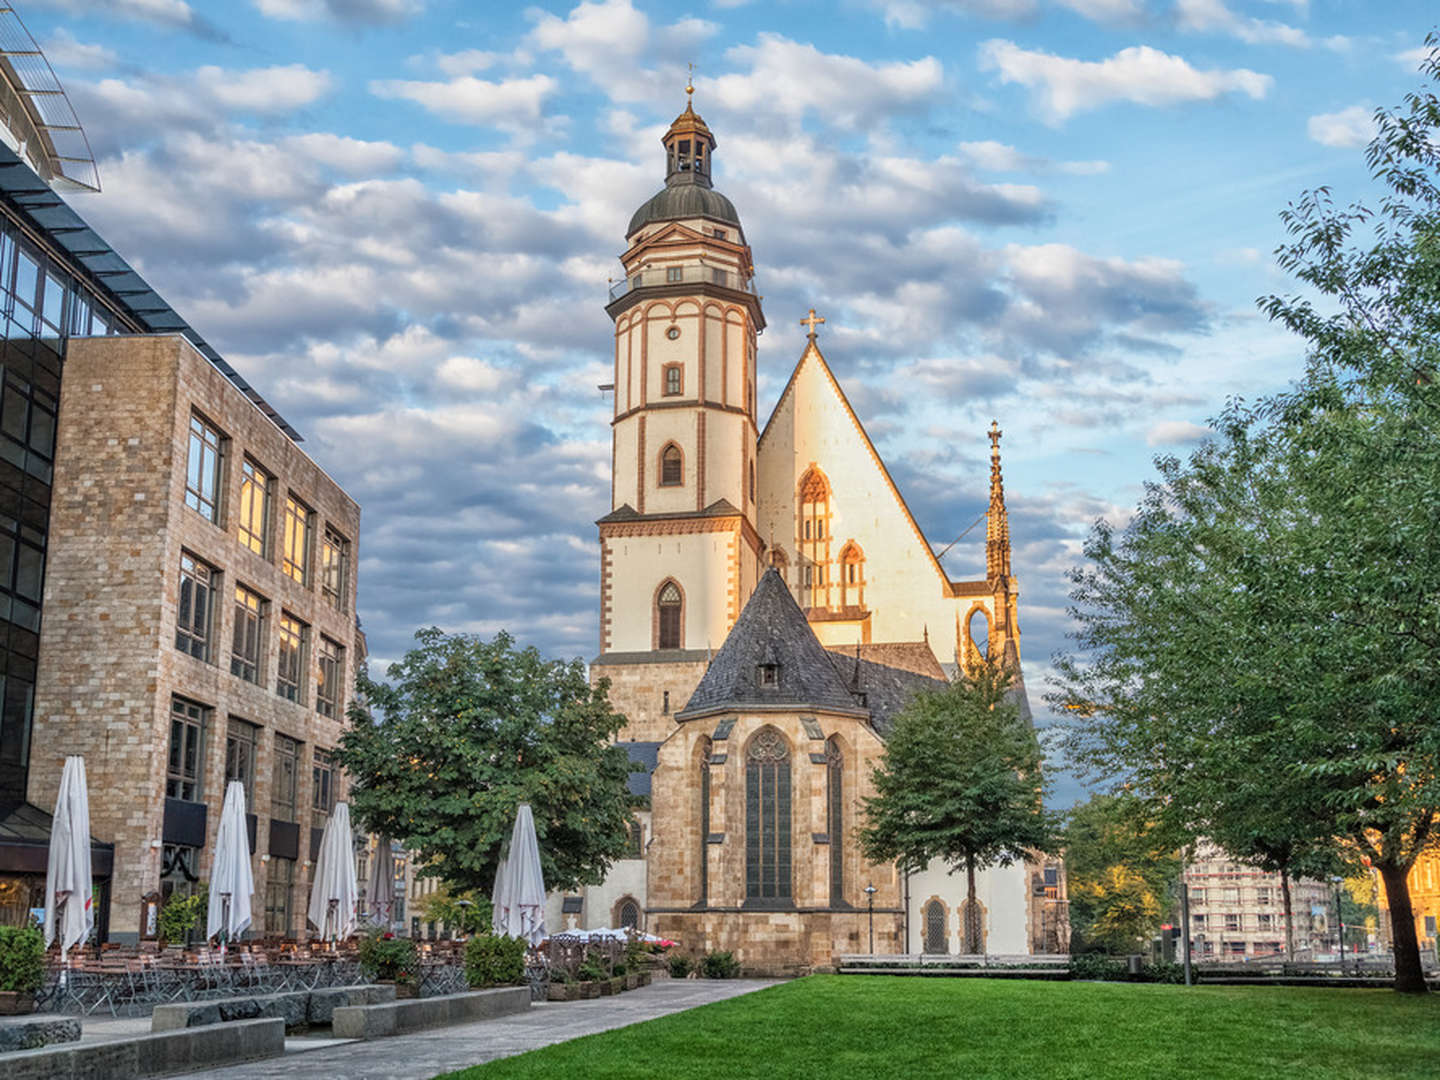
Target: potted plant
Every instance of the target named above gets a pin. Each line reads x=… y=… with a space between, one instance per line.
x=22 y=968
x=179 y=917
x=388 y=959
x=491 y=960
x=561 y=988
x=593 y=977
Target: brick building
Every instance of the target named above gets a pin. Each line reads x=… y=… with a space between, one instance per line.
x=177 y=592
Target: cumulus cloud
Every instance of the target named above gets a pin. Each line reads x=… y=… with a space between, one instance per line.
x=63 y=51
x=917 y=14
x=272 y=89
x=373 y=12
x=999 y=157
x=175 y=14
x=1175 y=433
x=1213 y=17
x=509 y=103
x=1061 y=86
x=1345 y=129
x=1411 y=59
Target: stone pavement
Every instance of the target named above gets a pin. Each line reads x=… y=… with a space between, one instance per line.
x=425 y=1054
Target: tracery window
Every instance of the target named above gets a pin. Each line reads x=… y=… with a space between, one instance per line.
x=704 y=751
x=813 y=539
x=669 y=606
x=935 y=928
x=767 y=817
x=672 y=466
x=835 y=819
x=628 y=915
x=852 y=575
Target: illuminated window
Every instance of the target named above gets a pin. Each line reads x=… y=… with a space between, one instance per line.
x=253 y=527
x=294 y=636
x=334 y=569
x=295 y=562
x=332 y=669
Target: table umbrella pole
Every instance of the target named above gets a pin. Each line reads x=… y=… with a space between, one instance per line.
x=224 y=923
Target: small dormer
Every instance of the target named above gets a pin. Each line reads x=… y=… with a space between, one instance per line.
x=767 y=672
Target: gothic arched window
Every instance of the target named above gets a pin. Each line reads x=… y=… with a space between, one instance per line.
x=669 y=606
x=627 y=914
x=835 y=819
x=813 y=539
x=767 y=817
x=935 y=928
x=635 y=849
x=704 y=754
x=672 y=467
x=852 y=575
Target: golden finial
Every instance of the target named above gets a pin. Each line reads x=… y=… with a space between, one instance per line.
x=689 y=85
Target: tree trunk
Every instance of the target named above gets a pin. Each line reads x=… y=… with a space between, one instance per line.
x=972 y=910
x=1289 y=916
x=1409 y=975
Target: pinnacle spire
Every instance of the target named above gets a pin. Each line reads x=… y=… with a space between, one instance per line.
x=997 y=528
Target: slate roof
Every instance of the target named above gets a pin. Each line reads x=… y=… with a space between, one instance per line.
x=684 y=201
x=882 y=689
x=913 y=656
x=626 y=512
x=771 y=629
x=643 y=754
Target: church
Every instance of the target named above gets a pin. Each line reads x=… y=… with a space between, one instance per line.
x=768 y=603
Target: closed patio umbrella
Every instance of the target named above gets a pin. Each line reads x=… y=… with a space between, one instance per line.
x=520 y=891
x=69 y=914
x=334 y=893
x=231 y=883
x=380 y=890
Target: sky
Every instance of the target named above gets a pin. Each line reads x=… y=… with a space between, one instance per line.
x=397 y=219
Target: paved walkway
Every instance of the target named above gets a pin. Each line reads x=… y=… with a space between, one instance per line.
x=429 y=1053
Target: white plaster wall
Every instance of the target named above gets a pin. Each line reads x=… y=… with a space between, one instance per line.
x=1001 y=889
x=698 y=561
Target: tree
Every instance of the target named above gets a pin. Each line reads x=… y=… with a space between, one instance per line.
x=463 y=912
x=466 y=731
x=960 y=781
x=1122 y=872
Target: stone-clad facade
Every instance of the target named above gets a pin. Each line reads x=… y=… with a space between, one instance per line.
x=112 y=669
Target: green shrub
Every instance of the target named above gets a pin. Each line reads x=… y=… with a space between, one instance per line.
x=1098 y=966
x=681 y=966
x=22 y=959
x=385 y=956
x=1164 y=972
x=181 y=914
x=491 y=960
x=720 y=965
x=593 y=968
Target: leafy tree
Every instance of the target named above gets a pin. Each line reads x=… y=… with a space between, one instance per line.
x=468 y=912
x=1122 y=872
x=960 y=781
x=466 y=731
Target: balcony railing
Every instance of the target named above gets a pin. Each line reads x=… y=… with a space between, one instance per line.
x=690 y=274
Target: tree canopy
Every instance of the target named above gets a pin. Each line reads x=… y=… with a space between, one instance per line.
x=960 y=781
x=1122 y=873
x=465 y=731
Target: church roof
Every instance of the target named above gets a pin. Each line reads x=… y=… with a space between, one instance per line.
x=626 y=512
x=643 y=756
x=912 y=656
x=684 y=201
x=771 y=630
x=884 y=690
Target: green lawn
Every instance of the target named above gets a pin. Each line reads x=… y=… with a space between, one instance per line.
x=900 y=1028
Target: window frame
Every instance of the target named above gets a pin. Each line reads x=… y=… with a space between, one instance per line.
x=251 y=475
x=669 y=616
x=199 y=581
x=212 y=442
x=672 y=374
x=336 y=568
x=185 y=760
x=672 y=466
x=299 y=533
x=330 y=685
x=769 y=811
x=288 y=687
x=286 y=749
x=245 y=616
x=324 y=784
x=242 y=742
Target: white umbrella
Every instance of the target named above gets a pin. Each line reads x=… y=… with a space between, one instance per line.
x=499 y=902
x=380 y=892
x=68 y=911
x=334 y=893
x=231 y=883
x=520 y=892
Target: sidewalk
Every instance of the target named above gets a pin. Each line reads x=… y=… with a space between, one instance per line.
x=428 y=1053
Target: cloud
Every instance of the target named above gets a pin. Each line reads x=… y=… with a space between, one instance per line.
x=999 y=157
x=464 y=62
x=1345 y=129
x=1213 y=17
x=63 y=50
x=263 y=90
x=175 y=14
x=354 y=157
x=917 y=14
x=1175 y=433
x=1062 y=86
x=370 y=12
x=1411 y=59
x=508 y=103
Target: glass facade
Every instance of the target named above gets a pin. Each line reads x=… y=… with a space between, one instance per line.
x=41 y=305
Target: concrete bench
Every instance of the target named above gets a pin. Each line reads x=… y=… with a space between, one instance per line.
x=298 y=1008
x=151 y=1055
x=398 y=1017
x=33 y=1032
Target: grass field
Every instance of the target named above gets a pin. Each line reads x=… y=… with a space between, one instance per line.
x=898 y=1028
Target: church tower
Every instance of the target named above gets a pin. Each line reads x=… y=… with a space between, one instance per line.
x=680 y=553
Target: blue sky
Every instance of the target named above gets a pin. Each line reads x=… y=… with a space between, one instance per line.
x=397 y=218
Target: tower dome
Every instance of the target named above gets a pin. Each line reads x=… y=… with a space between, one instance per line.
x=689 y=148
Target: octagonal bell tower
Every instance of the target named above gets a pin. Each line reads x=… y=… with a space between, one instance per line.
x=679 y=550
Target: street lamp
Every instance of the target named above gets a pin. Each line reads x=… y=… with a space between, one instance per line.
x=1339 y=923
x=870 y=892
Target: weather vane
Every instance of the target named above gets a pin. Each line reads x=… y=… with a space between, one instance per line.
x=689 y=83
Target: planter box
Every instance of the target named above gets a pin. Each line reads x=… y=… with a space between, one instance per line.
x=564 y=991
x=645 y=978
x=589 y=989
x=632 y=981
x=16 y=1003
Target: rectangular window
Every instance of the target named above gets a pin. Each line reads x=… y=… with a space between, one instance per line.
x=327 y=690
x=188 y=720
x=249 y=624
x=254 y=525
x=295 y=561
x=194 y=615
x=1429 y=925
x=284 y=777
x=277 y=897
x=673 y=380
x=289 y=674
x=674 y=273
x=240 y=740
x=322 y=789
x=334 y=569
x=1262 y=896
x=1266 y=921
x=1232 y=922
x=202 y=472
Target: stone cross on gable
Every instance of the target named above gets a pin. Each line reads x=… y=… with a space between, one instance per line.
x=812 y=321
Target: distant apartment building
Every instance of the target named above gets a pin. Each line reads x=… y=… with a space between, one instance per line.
x=1237 y=911
x=177 y=584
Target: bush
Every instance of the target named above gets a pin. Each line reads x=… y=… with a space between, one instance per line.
x=593 y=968
x=22 y=959
x=1098 y=966
x=491 y=960
x=386 y=957
x=720 y=965
x=1165 y=972
x=181 y=914
x=681 y=966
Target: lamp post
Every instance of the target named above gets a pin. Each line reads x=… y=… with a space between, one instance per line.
x=1339 y=923
x=870 y=891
